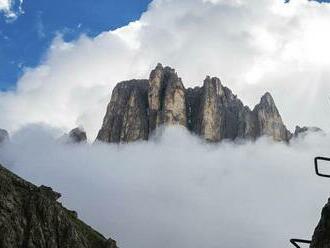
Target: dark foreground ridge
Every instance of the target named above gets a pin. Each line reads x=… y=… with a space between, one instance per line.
x=31 y=217
x=321 y=236
x=213 y=112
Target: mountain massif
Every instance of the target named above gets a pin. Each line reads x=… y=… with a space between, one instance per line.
x=138 y=107
x=31 y=216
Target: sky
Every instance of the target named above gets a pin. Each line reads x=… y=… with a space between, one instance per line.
x=27 y=28
x=252 y=46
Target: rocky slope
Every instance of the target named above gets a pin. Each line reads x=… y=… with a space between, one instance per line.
x=31 y=217
x=138 y=107
x=321 y=236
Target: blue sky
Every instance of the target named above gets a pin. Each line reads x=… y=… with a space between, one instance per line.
x=24 y=41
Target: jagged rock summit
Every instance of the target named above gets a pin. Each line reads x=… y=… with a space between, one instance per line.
x=138 y=107
x=4 y=135
x=78 y=135
x=31 y=217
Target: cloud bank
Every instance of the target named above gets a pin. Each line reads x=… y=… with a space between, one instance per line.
x=191 y=194
x=253 y=46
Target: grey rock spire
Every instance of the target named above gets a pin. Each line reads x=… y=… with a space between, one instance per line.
x=138 y=107
x=166 y=98
x=269 y=120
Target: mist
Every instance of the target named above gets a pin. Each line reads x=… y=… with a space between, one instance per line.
x=178 y=191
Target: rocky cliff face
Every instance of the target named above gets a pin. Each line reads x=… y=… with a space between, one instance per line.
x=321 y=236
x=166 y=98
x=138 y=107
x=215 y=113
x=269 y=121
x=127 y=113
x=31 y=217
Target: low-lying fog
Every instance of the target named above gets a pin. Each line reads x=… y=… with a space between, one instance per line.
x=176 y=191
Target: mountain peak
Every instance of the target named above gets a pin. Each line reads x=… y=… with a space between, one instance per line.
x=211 y=111
x=270 y=122
x=267 y=99
x=159 y=66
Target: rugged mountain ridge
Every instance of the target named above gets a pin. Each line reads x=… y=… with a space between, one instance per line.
x=138 y=107
x=31 y=217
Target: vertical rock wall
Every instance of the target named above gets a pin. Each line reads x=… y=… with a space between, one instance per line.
x=126 y=118
x=166 y=98
x=138 y=107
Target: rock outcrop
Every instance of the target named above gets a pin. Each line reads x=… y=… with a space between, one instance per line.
x=269 y=121
x=301 y=131
x=126 y=118
x=31 y=217
x=138 y=107
x=215 y=113
x=3 y=135
x=321 y=236
x=77 y=135
x=166 y=98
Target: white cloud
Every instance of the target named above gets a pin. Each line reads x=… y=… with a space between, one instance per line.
x=6 y=6
x=191 y=194
x=253 y=46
